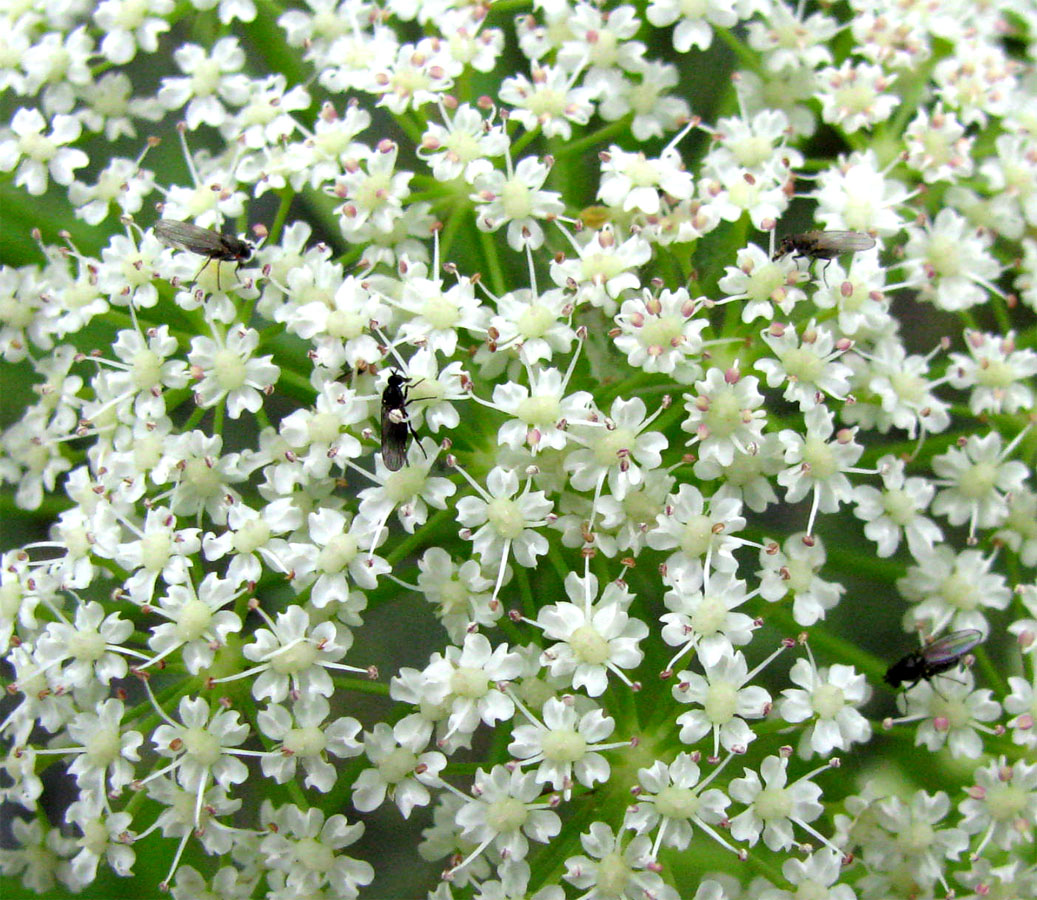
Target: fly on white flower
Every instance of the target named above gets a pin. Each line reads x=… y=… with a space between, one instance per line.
x=205 y=242
x=935 y=658
x=823 y=244
x=396 y=427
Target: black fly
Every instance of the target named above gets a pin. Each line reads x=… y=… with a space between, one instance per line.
x=823 y=244
x=396 y=427
x=205 y=242
x=933 y=659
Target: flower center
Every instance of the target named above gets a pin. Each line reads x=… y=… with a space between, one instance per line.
x=441 y=312
x=193 y=620
x=661 y=331
x=818 y=455
x=773 y=803
x=697 y=536
x=323 y=428
x=86 y=645
x=710 y=616
x=296 y=658
x=609 y=446
x=724 y=415
x=252 y=535
x=505 y=517
x=589 y=646
x=506 y=815
x=228 y=369
x=397 y=765
x=899 y=506
x=677 y=803
x=536 y=320
x=802 y=365
x=978 y=480
x=340 y=551
x=469 y=683
x=564 y=746
x=308 y=741
x=516 y=199
x=827 y=700
x=147 y=369
x=539 y=410
x=202 y=746
x=102 y=746
x=313 y=855
x=155 y=549
x=721 y=702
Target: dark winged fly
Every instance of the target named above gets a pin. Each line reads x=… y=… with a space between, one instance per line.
x=205 y=242
x=823 y=244
x=396 y=427
x=935 y=658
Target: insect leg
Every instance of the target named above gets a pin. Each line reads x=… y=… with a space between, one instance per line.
x=208 y=260
x=410 y=427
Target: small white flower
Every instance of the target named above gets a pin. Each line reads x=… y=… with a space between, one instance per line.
x=306 y=847
x=128 y=25
x=305 y=737
x=830 y=695
x=228 y=369
x=819 y=465
x=551 y=101
x=517 y=200
x=951 y=591
x=937 y=146
x=201 y=745
x=593 y=638
x=897 y=510
x=1001 y=801
x=565 y=745
x=38 y=155
x=806 y=364
x=723 y=702
x=469 y=681
x=662 y=333
x=954 y=715
x=504 y=814
x=794 y=571
x=773 y=804
x=505 y=523
x=950 y=261
x=209 y=82
x=701 y=617
x=725 y=415
x=613 y=450
x=976 y=480
x=856 y=96
x=628 y=870
x=998 y=373
x=674 y=799
x=694 y=28
x=631 y=181
x=701 y=541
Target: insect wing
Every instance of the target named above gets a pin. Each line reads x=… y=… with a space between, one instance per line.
x=203 y=241
x=185 y=236
x=841 y=241
x=394 y=442
x=948 y=649
x=394 y=434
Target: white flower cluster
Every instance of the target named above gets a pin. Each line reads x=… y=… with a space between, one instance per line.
x=491 y=358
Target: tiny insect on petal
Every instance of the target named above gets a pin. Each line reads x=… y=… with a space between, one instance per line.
x=203 y=241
